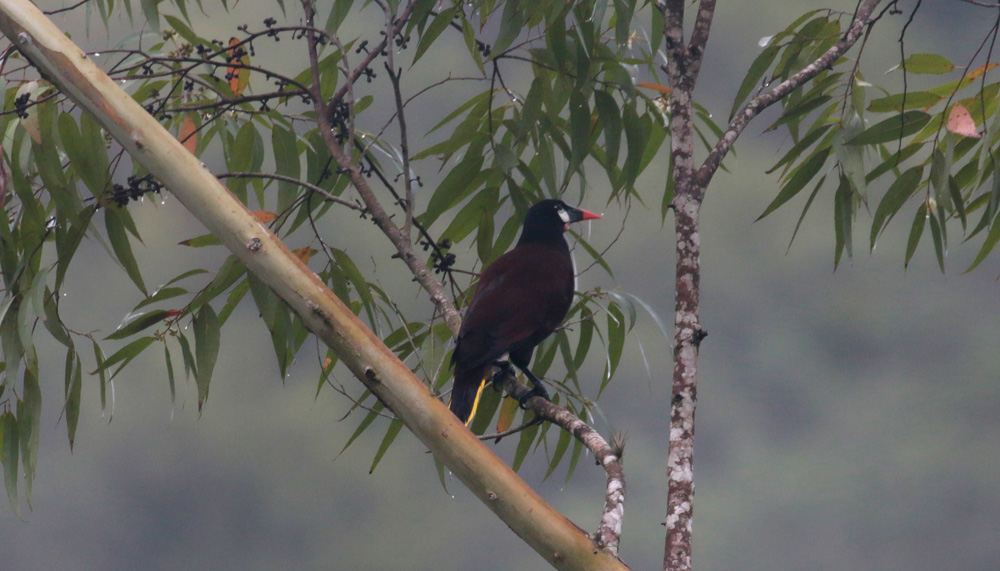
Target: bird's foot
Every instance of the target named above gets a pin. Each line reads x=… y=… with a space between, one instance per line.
x=537 y=390
x=503 y=368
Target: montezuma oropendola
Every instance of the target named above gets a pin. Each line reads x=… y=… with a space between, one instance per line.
x=520 y=300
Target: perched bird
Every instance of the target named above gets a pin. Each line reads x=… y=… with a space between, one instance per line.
x=520 y=300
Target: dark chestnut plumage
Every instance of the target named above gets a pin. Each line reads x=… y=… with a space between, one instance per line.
x=522 y=297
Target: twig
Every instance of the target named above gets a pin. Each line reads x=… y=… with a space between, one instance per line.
x=416 y=264
x=755 y=107
x=306 y=185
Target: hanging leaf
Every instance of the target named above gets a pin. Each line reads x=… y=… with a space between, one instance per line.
x=206 y=349
x=264 y=216
x=188 y=135
x=508 y=411
x=892 y=129
x=139 y=323
x=390 y=435
x=916 y=230
x=9 y=455
x=236 y=58
x=799 y=179
x=927 y=63
x=900 y=190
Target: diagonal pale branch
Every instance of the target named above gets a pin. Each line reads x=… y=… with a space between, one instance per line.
x=862 y=19
x=547 y=531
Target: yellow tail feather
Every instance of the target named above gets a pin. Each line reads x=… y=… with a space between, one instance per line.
x=475 y=403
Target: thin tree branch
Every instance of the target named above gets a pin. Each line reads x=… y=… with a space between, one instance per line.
x=306 y=185
x=862 y=19
x=416 y=264
x=608 y=534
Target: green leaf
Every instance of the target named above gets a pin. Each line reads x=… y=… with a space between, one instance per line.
x=115 y=225
x=574 y=458
x=900 y=190
x=927 y=63
x=579 y=121
x=562 y=445
x=916 y=230
x=843 y=220
x=892 y=129
x=373 y=413
x=124 y=355
x=72 y=393
x=441 y=21
x=150 y=9
x=185 y=32
x=206 y=349
x=9 y=449
x=162 y=294
x=799 y=179
x=276 y=317
x=170 y=373
x=937 y=236
x=611 y=123
x=29 y=417
x=139 y=323
x=339 y=12
x=286 y=161
x=904 y=101
x=455 y=187
x=805 y=209
x=511 y=25
x=616 y=339
x=991 y=241
x=390 y=435
x=524 y=442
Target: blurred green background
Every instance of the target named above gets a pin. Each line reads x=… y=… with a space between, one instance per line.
x=846 y=420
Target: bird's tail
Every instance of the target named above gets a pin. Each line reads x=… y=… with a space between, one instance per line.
x=465 y=393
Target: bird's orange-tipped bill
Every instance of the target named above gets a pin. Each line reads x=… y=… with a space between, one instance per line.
x=588 y=215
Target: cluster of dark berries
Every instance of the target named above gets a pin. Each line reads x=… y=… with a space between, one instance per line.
x=134 y=188
x=21 y=105
x=441 y=259
x=339 y=115
x=483 y=48
x=402 y=41
x=367 y=171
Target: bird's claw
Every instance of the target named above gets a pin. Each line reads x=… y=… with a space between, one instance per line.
x=536 y=391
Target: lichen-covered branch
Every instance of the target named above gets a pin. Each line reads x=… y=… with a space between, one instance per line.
x=683 y=64
x=608 y=534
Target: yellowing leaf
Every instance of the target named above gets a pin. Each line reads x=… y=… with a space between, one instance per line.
x=508 y=410
x=304 y=253
x=264 y=216
x=654 y=87
x=239 y=77
x=188 y=135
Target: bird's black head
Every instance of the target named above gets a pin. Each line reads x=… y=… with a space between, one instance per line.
x=548 y=219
